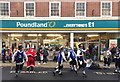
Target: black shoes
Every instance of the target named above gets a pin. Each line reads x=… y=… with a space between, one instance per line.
x=53 y=73
x=84 y=73
x=60 y=73
x=76 y=72
x=16 y=75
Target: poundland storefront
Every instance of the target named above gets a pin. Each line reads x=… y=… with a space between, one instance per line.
x=89 y=33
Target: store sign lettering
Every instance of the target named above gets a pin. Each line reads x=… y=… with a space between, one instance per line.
x=34 y=24
x=89 y=24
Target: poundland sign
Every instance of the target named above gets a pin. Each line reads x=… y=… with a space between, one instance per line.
x=53 y=24
x=34 y=24
x=59 y=23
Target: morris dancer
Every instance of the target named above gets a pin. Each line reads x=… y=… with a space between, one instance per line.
x=61 y=57
x=19 y=58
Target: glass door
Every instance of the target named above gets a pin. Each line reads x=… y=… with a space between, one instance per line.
x=29 y=44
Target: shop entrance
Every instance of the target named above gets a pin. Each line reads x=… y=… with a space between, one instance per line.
x=14 y=44
x=91 y=42
x=29 y=43
x=94 y=50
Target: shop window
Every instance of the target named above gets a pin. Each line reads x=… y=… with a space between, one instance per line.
x=106 y=8
x=105 y=39
x=5 y=40
x=79 y=38
x=80 y=9
x=30 y=40
x=54 y=40
x=29 y=9
x=92 y=37
x=55 y=9
x=4 y=8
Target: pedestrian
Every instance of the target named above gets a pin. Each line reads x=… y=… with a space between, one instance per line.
x=60 y=59
x=117 y=61
x=19 y=58
x=107 y=58
x=10 y=54
x=55 y=54
x=95 y=54
x=87 y=54
x=7 y=54
x=15 y=49
x=3 y=55
x=81 y=60
x=72 y=58
x=40 y=56
x=113 y=52
x=31 y=54
x=45 y=55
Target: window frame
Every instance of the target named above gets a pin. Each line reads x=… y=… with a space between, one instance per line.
x=9 y=9
x=25 y=9
x=110 y=9
x=59 y=8
x=76 y=8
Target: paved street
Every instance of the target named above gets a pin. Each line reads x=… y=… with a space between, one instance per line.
x=44 y=72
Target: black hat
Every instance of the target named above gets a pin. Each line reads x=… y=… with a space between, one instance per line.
x=20 y=47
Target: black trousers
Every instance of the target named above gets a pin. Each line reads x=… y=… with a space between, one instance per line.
x=44 y=59
x=117 y=63
x=3 y=58
x=107 y=61
x=19 y=67
x=83 y=65
x=59 y=67
x=73 y=62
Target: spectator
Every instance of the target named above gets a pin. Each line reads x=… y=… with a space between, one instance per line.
x=45 y=54
x=40 y=56
x=107 y=58
x=117 y=61
x=3 y=55
x=9 y=55
x=55 y=54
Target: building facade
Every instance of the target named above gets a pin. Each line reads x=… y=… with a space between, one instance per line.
x=60 y=22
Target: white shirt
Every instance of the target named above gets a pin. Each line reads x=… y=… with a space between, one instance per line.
x=63 y=55
x=106 y=53
x=79 y=51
